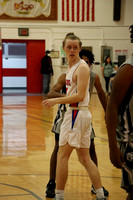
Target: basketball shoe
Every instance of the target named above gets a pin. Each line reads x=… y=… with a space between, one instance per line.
x=106 y=193
x=50 y=189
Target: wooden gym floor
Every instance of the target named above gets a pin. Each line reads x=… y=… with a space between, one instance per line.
x=26 y=144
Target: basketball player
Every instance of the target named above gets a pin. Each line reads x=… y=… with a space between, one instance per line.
x=119 y=120
x=55 y=92
x=76 y=126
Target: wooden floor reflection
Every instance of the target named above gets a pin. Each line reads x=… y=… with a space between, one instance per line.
x=26 y=144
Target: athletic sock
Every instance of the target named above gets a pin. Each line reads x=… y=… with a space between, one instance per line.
x=59 y=194
x=100 y=193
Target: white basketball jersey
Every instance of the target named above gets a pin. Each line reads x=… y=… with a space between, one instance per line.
x=71 y=87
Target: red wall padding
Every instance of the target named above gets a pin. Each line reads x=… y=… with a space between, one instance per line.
x=35 y=52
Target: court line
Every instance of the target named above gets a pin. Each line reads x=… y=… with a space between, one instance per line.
x=102 y=138
x=14 y=195
x=30 y=192
x=78 y=175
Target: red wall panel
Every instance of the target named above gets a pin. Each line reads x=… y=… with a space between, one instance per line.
x=35 y=51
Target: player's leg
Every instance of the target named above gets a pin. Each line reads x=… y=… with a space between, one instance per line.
x=62 y=169
x=93 y=156
x=50 y=188
x=127 y=173
x=130 y=193
x=84 y=158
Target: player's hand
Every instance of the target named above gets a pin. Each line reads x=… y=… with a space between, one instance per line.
x=48 y=103
x=116 y=158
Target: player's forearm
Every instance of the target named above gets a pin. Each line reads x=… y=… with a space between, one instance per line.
x=54 y=94
x=111 y=122
x=69 y=99
x=102 y=99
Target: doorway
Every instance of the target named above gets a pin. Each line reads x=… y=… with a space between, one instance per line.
x=14 y=67
x=26 y=67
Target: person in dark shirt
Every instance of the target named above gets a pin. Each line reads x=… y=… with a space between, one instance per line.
x=47 y=71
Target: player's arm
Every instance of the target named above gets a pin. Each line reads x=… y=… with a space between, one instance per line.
x=55 y=90
x=81 y=76
x=122 y=81
x=100 y=92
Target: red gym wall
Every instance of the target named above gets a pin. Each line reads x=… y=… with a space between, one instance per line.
x=35 y=51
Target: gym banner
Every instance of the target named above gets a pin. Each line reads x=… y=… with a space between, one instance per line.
x=25 y=8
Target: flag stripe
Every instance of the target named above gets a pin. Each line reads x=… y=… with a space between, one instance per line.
x=70 y=10
x=78 y=10
x=67 y=8
x=83 y=9
x=92 y=10
x=88 y=8
x=73 y=10
x=63 y=18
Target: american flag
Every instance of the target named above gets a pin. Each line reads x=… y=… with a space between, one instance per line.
x=78 y=10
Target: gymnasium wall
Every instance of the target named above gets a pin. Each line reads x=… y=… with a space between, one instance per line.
x=104 y=31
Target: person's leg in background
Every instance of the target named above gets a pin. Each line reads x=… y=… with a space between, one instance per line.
x=130 y=193
x=93 y=156
x=46 y=83
x=50 y=188
x=111 y=83
x=107 y=79
x=93 y=152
